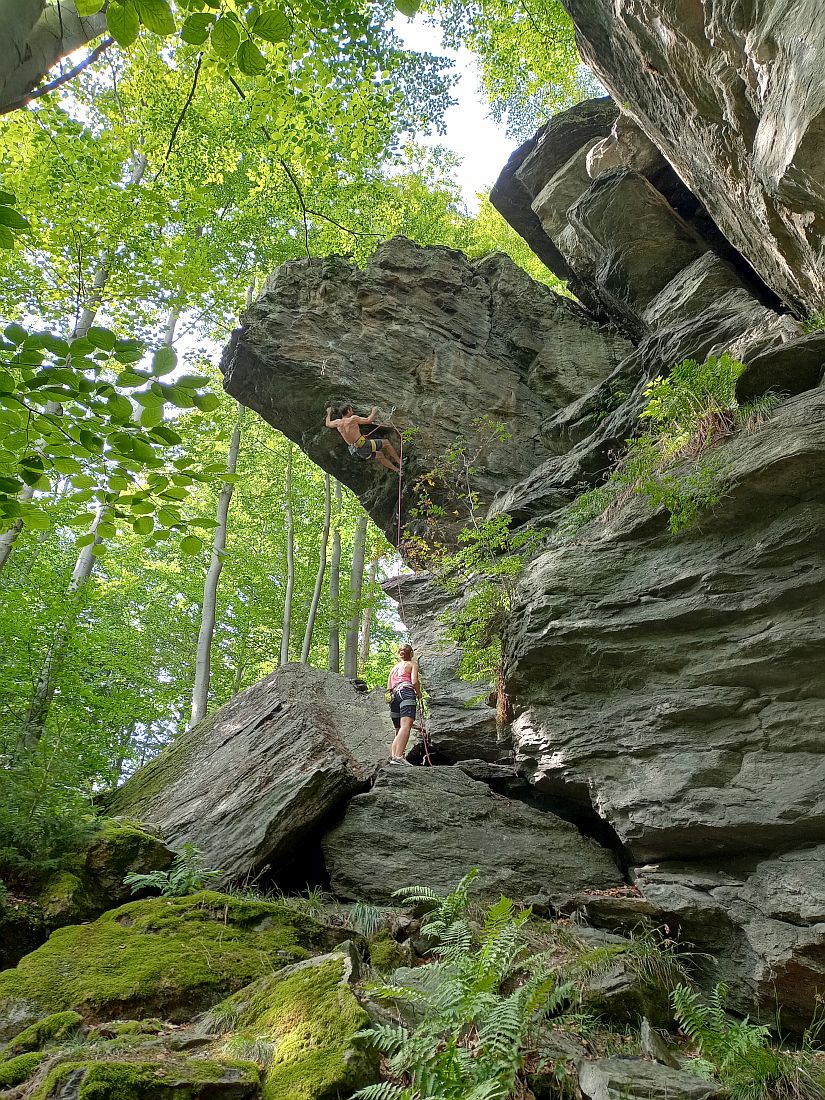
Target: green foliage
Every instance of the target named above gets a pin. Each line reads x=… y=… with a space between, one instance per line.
x=81 y=415
x=483 y=572
x=366 y=919
x=481 y=999
x=529 y=62
x=689 y=411
x=187 y=875
x=741 y=1054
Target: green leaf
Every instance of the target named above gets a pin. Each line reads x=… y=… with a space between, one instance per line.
x=16 y=333
x=123 y=22
x=67 y=466
x=85 y=540
x=36 y=520
x=130 y=378
x=128 y=351
x=120 y=407
x=408 y=7
x=225 y=37
x=191 y=545
x=7 y=198
x=143 y=525
x=6 y=237
x=88 y=7
x=208 y=402
x=163 y=361
x=102 y=338
x=12 y=218
x=166 y=435
x=156 y=15
x=181 y=397
x=273 y=26
x=99 y=549
x=168 y=517
x=250 y=59
x=83 y=481
x=195 y=30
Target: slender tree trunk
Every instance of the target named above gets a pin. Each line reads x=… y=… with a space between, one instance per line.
x=322 y=568
x=240 y=660
x=35 y=720
x=335 y=588
x=356 y=582
x=84 y=323
x=290 y=561
x=366 y=618
x=203 y=660
x=34 y=36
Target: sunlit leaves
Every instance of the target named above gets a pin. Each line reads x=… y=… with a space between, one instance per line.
x=123 y=22
x=156 y=15
x=12 y=221
x=272 y=26
x=226 y=37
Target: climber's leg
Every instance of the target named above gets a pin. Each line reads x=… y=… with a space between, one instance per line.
x=391 y=452
x=382 y=460
x=399 y=745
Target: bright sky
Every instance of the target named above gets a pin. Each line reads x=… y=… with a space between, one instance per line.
x=471 y=133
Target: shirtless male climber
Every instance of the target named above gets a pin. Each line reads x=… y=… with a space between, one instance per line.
x=348 y=425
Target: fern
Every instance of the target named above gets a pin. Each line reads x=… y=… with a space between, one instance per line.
x=483 y=996
x=186 y=875
x=741 y=1054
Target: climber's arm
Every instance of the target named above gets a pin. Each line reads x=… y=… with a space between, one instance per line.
x=416 y=679
x=329 y=422
x=368 y=419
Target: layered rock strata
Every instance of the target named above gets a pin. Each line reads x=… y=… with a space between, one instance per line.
x=733 y=95
x=433 y=339
x=253 y=780
x=430 y=825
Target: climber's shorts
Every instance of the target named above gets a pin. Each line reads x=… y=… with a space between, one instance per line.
x=366 y=448
x=403 y=704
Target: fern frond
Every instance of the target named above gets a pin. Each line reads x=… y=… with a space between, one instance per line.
x=384 y=1091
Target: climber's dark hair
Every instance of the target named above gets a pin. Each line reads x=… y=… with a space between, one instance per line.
x=340 y=411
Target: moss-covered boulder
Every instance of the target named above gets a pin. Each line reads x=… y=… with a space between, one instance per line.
x=54 y=1028
x=166 y=957
x=167 y=1079
x=301 y=1023
x=87 y=882
x=17 y=1070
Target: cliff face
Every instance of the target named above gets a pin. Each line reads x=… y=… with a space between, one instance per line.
x=666 y=688
x=733 y=95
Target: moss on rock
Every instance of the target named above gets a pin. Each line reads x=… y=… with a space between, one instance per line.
x=17 y=1070
x=179 y=1079
x=63 y=898
x=308 y=1016
x=386 y=954
x=54 y=1028
x=162 y=956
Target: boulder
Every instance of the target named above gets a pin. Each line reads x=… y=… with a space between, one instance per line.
x=636 y=1079
x=308 y=1015
x=436 y=341
x=725 y=92
x=254 y=779
x=431 y=825
x=164 y=956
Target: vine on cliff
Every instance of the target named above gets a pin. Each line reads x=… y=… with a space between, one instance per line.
x=483 y=571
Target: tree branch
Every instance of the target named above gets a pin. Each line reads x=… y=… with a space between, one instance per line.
x=180 y=118
x=62 y=79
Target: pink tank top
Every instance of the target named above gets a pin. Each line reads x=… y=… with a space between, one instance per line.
x=403 y=677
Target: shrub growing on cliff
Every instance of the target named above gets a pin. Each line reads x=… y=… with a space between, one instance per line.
x=688 y=412
x=741 y=1054
x=481 y=999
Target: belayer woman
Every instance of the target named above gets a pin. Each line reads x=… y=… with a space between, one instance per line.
x=403 y=693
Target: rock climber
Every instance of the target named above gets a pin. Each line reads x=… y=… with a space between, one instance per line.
x=348 y=425
x=403 y=693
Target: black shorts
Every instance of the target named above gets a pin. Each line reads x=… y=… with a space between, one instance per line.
x=368 y=448
x=403 y=705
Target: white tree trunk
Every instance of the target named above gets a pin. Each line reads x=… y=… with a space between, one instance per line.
x=356 y=581
x=35 y=720
x=322 y=568
x=334 y=662
x=34 y=36
x=290 y=561
x=203 y=660
x=366 y=618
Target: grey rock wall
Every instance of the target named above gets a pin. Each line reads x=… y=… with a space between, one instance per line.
x=733 y=95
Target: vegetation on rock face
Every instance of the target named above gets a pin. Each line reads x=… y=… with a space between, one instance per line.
x=742 y=1054
x=187 y=875
x=670 y=465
